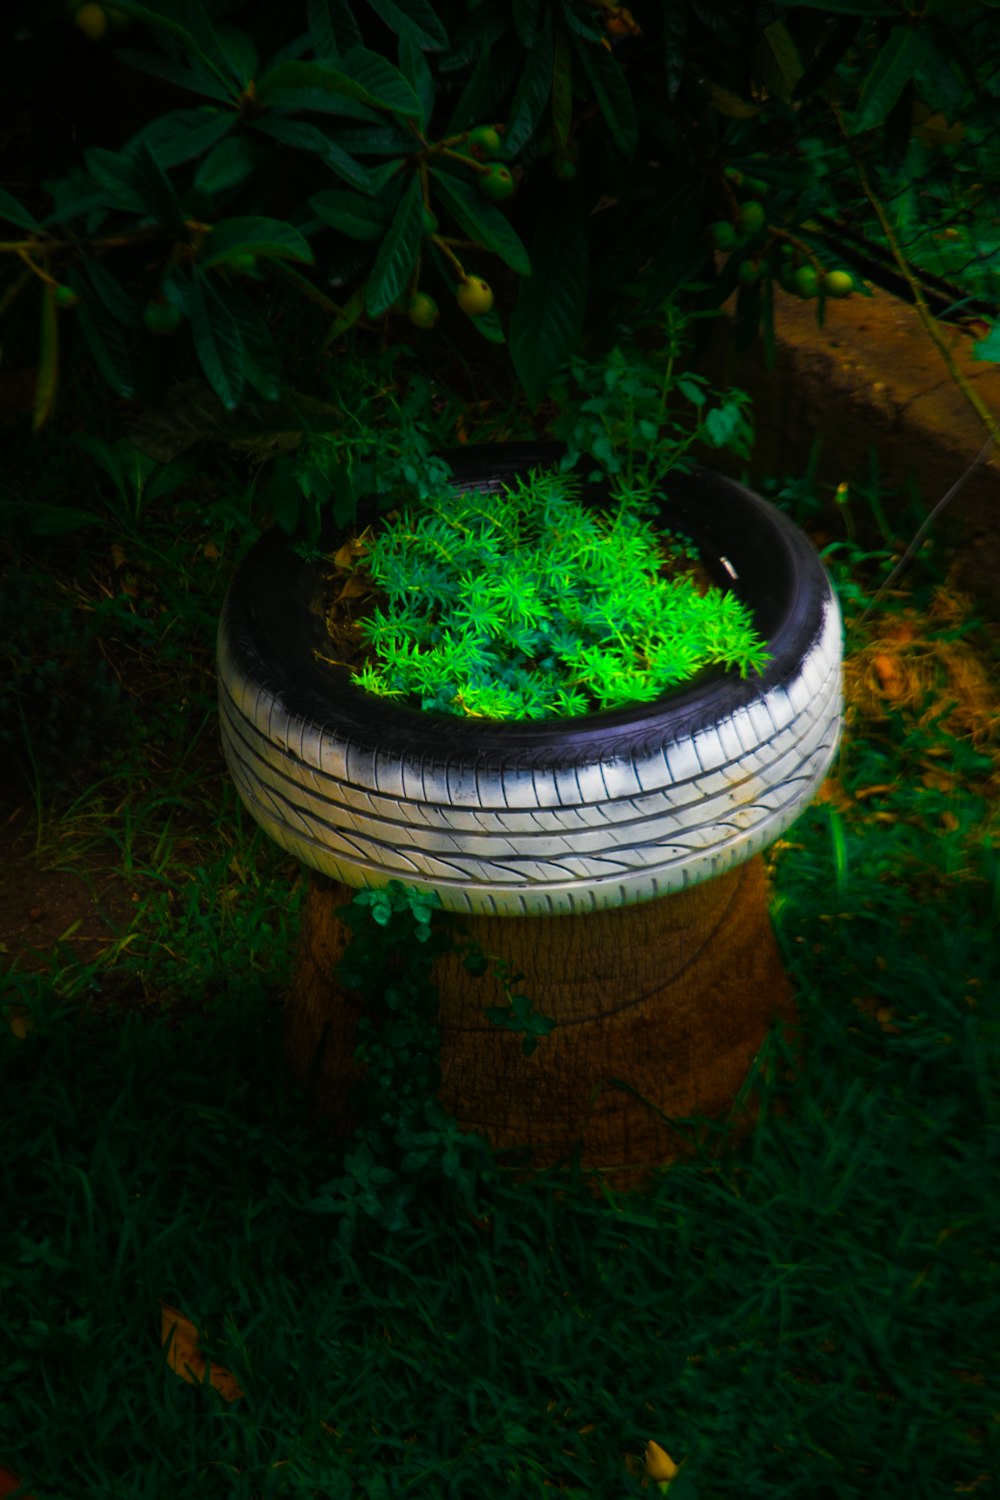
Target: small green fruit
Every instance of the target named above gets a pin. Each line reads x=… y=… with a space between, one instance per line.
x=752 y=216
x=486 y=139
x=838 y=284
x=474 y=296
x=92 y=21
x=429 y=223
x=423 y=311
x=749 y=272
x=723 y=234
x=805 y=282
x=565 y=170
x=756 y=186
x=65 y=296
x=161 y=317
x=497 y=183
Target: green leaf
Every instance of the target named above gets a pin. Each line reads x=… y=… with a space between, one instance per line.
x=360 y=75
x=398 y=252
x=231 y=163
x=349 y=314
x=140 y=177
x=113 y=172
x=306 y=137
x=117 y=301
x=321 y=37
x=263 y=367
x=217 y=342
x=488 y=85
x=414 y=17
x=186 y=20
x=239 y=52
x=899 y=60
x=612 y=93
x=989 y=347
x=12 y=211
x=488 y=324
x=271 y=238
x=533 y=90
x=346 y=30
x=786 y=67
x=481 y=220
x=183 y=134
x=548 y=317
x=199 y=81
x=105 y=340
x=413 y=66
x=527 y=19
x=583 y=22
x=358 y=217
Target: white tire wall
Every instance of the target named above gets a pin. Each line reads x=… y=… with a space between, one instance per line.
x=537 y=817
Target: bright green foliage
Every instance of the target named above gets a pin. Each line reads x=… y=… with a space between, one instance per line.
x=622 y=411
x=528 y=606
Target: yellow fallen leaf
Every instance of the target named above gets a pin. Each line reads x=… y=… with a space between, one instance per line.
x=186 y=1359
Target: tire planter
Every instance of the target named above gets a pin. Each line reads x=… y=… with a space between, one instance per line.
x=639 y=823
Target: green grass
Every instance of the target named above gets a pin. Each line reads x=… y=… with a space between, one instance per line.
x=812 y=1314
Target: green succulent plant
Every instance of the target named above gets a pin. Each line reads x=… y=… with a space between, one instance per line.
x=527 y=605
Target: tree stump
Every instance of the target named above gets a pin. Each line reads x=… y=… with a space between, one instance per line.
x=674 y=997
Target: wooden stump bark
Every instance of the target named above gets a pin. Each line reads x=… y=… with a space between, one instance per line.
x=674 y=997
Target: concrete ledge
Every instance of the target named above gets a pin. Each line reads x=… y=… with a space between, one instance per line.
x=871 y=377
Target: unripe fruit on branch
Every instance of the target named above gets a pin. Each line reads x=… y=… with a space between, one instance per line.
x=838 y=283
x=474 y=296
x=805 y=281
x=497 y=183
x=423 y=311
x=752 y=216
x=485 y=139
x=92 y=21
x=429 y=222
x=65 y=296
x=161 y=317
x=723 y=234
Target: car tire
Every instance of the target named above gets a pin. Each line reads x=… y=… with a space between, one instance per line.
x=539 y=817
